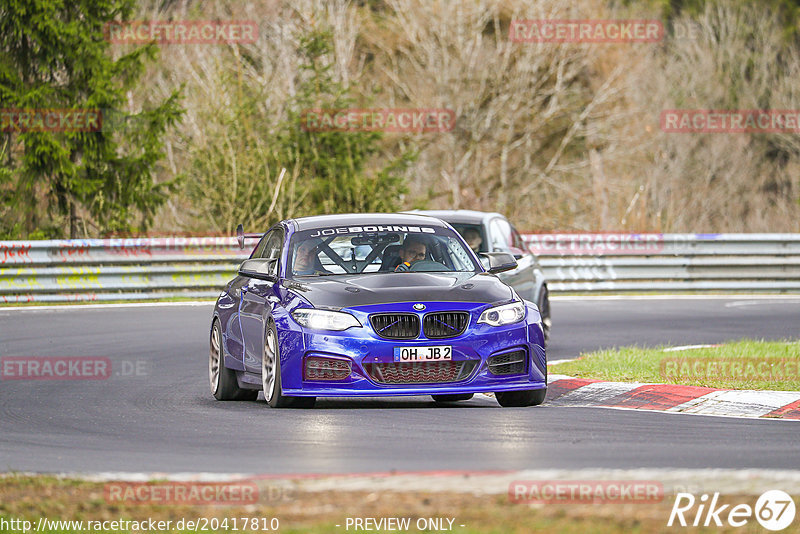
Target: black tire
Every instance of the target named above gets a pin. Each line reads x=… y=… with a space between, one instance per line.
x=452 y=398
x=529 y=397
x=271 y=375
x=544 y=311
x=222 y=380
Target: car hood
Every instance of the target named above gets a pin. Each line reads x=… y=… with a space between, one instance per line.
x=380 y=288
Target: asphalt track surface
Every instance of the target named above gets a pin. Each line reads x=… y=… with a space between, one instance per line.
x=155 y=413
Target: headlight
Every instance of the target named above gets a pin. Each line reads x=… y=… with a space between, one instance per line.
x=506 y=314
x=324 y=319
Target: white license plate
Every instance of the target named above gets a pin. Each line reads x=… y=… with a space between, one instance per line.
x=423 y=354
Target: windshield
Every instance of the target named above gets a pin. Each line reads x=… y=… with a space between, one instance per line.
x=473 y=235
x=377 y=249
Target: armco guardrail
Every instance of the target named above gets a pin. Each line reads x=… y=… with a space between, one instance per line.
x=669 y=262
x=198 y=267
x=117 y=269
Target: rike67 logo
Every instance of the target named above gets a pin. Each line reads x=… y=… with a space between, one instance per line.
x=774 y=510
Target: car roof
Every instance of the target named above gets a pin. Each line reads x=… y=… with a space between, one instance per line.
x=460 y=216
x=364 y=219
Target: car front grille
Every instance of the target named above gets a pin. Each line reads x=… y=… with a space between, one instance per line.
x=510 y=363
x=420 y=372
x=440 y=325
x=395 y=325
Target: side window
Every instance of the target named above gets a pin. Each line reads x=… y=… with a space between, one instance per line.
x=272 y=247
x=259 y=248
x=500 y=232
x=516 y=240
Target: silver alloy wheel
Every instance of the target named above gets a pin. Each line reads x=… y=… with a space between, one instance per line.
x=214 y=359
x=268 y=366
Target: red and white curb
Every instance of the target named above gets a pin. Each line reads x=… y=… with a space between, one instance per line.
x=568 y=391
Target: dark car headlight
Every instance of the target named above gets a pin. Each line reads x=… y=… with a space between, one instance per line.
x=502 y=315
x=324 y=319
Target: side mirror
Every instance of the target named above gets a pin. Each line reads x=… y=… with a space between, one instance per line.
x=240 y=235
x=259 y=268
x=500 y=262
x=517 y=253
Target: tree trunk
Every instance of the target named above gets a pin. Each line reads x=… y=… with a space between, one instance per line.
x=73 y=219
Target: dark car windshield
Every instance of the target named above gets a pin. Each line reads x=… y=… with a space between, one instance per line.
x=377 y=249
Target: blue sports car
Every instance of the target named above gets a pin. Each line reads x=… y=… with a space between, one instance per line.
x=373 y=305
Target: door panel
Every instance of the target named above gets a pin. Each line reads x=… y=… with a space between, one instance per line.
x=232 y=329
x=251 y=316
x=258 y=298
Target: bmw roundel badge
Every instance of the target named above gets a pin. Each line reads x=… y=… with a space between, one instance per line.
x=419 y=307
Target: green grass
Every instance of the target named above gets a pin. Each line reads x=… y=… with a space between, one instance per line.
x=745 y=364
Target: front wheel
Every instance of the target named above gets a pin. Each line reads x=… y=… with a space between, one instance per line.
x=530 y=397
x=271 y=376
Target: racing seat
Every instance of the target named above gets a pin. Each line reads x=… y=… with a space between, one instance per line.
x=391 y=258
x=318 y=265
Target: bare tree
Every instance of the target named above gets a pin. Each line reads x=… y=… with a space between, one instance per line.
x=557 y=136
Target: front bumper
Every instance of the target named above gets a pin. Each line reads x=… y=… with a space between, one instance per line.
x=361 y=347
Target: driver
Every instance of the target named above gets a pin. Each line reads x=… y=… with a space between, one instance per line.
x=414 y=249
x=473 y=239
x=305 y=259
